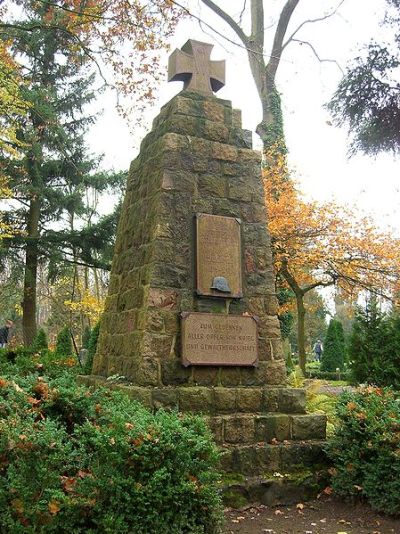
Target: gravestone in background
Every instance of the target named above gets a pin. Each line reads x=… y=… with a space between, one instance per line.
x=191 y=316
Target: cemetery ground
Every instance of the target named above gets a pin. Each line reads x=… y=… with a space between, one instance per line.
x=326 y=515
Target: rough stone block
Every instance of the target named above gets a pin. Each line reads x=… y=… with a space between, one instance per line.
x=139 y=394
x=173 y=373
x=275 y=372
x=230 y=376
x=166 y=398
x=224 y=399
x=205 y=376
x=148 y=373
x=239 y=429
x=249 y=399
x=310 y=426
x=195 y=399
x=216 y=425
x=292 y=400
x=271 y=400
x=272 y=426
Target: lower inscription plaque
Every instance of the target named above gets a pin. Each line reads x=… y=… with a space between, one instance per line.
x=216 y=339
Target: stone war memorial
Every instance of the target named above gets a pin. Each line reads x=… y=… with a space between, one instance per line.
x=190 y=321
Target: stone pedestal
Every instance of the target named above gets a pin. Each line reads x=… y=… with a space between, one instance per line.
x=198 y=159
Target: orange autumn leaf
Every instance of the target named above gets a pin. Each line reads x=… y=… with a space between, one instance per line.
x=54 y=507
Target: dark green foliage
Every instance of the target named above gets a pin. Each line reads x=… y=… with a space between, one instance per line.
x=64 y=343
x=86 y=337
x=92 y=347
x=367 y=98
x=40 y=342
x=365 y=448
x=95 y=461
x=333 y=356
x=22 y=362
x=374 y=347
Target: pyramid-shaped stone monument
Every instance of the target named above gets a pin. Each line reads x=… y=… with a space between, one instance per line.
x=190 y=321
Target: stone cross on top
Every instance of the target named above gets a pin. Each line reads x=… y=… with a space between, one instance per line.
x=192 y=65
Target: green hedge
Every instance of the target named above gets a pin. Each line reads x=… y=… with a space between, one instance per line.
x=75 y=460
x=366 y=448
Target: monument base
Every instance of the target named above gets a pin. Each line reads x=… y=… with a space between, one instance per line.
x=271 y=449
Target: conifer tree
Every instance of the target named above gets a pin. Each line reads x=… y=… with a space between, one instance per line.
x=366 y=341
x=51 y=178
x=333 y=355
x=40 y=342
x=64 y=343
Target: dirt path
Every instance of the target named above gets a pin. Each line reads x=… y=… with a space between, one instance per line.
x=325 y=516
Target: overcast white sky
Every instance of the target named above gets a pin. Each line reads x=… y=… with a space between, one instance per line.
x=317 y=150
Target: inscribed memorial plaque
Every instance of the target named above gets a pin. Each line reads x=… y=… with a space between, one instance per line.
x=216 y=339
x=218 y=256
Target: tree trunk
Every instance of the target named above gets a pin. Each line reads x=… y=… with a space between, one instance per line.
x=301 y=313
x=29 y=327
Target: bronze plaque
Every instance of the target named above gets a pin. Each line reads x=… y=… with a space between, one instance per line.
x=216 y=339
x=218 y=256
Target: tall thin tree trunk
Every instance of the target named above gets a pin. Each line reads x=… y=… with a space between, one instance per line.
x=29 y=327
x=301 y=313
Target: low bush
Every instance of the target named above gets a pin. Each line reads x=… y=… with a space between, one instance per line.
x=76 y=460
x=21 y=361
x=365 y=448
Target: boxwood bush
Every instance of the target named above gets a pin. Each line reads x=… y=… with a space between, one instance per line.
x=366 y=448
x=77 y=460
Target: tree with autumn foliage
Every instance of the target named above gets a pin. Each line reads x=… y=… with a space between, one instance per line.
x=318 y=245
x=124 y=36
x=12 y=107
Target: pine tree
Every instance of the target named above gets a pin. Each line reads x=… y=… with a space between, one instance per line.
x=94 y=336
x=40 y=342
x=367 y=342
x=64 y=343
x=333 y=355
x=51 y=178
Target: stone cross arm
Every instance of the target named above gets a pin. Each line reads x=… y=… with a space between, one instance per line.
x=193 y=66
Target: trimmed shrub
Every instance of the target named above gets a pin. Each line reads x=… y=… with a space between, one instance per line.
x=365 y=448
x=64 y=343
x=333 y=356
x=92 y=347
x=94 y=461
x=40 y=342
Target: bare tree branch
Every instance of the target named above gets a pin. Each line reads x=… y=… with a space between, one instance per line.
x=281 y=28
x=311 y=21
x=321 y=60
x=228 y=19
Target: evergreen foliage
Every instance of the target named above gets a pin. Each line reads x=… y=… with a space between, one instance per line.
x=64 y=343
x=364 y=449
x=86 y=337
x=40 y=342
x=333 y=356
x=367 y=98
x=92 y=347
x=95 y=461
x=55 y=173
x=374 y=347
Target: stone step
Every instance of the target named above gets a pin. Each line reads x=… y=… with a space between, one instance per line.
x=280 y=474
x=211 y=400
x=250 y=428
x=265 y=458
x=273 y=491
